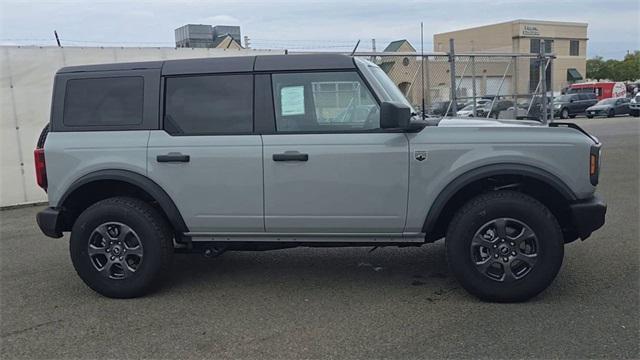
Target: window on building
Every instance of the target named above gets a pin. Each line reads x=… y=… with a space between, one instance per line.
x=323 y=102
x=214 y=104
x=534 y=69
x=104 y=101
x=574 y=48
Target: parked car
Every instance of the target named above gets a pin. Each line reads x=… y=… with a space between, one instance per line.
x=442 y=107
x=467 y=110
x=494 y=111
x=634 y=105
x=570 y=105
x=143 y=160
x=609 y=108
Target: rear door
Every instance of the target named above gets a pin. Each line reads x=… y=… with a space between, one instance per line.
x=207 y=157
x=328 y=167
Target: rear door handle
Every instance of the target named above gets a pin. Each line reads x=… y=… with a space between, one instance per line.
x=291 y=156
x=173 y=157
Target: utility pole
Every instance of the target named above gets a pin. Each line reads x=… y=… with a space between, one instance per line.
x=373 y=45
x=57 y=38
x=247 y=43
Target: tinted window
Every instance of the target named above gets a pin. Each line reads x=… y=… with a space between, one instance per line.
x=216 y=104
x=327 y=101
x=574 y=48
x=104 y=101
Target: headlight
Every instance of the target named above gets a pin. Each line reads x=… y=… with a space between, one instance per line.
x=557 y=106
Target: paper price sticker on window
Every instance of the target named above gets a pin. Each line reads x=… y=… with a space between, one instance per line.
x=292 y=100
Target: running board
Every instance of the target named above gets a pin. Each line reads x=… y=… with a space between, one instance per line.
x=307 y=237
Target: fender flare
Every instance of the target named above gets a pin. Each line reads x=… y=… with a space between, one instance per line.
x=487 y=171
x=149 y=186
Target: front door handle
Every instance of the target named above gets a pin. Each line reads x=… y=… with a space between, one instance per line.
x=173 y=157
x=291 y=156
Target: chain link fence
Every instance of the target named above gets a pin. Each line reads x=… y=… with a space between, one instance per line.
x=501 y=86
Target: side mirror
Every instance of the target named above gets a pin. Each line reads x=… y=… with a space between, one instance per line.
x=394 y=115
x=571 y=100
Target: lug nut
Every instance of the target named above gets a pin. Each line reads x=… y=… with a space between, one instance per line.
x=113 y=258
x=108 y=250
x=496 y=256
x=513 y=253
x=495 y=246
x=505 y=259
x=120 y=257
x=512 y=243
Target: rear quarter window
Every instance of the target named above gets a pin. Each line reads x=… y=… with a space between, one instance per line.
x=109 y=101
x=209 y=105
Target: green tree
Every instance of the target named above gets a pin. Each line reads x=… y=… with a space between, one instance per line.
x=596 y=68
x=627 y=69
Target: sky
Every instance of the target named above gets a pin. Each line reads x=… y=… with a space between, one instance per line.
x=332 y=25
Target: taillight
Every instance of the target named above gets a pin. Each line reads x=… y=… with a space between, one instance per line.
x=41 y=168
x=594 y=164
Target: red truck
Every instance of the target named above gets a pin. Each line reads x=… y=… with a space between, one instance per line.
x=603 y=90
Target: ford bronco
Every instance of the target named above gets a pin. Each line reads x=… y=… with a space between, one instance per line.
x=144 y=160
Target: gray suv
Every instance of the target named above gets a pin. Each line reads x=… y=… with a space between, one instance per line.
x=144 y=160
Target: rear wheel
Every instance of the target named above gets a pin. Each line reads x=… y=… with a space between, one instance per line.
x=590 y=116
x=635 y=113
x=504 y=246
x=121 y=246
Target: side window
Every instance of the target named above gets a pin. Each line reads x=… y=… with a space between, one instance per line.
x=323 y=102
x=105 y=101
x=209 y=105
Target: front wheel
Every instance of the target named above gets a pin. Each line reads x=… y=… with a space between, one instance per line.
x=564 y=114
x=504 y=246
x=121 y=246
x=611 y=113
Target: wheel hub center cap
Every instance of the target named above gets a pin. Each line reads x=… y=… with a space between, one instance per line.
x=504 y=250
x=116 y=250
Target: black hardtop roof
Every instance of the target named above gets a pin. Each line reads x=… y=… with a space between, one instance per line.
x=227 y=64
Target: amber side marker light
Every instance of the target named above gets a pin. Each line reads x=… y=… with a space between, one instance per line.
x=593 y=165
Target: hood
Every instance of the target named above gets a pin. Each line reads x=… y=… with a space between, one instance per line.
x=599 y=107
x=476 y=122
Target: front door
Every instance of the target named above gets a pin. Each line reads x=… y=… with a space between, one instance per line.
x=328 y=167
x=207 y=158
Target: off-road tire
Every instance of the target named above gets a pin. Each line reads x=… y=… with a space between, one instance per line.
x=154 y=234
x=504 y=204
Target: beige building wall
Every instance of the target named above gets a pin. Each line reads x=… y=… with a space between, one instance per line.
x=515 y=37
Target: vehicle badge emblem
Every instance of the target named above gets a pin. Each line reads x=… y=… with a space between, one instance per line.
x=421 y=155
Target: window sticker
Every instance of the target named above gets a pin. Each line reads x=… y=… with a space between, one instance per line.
x=292 y=100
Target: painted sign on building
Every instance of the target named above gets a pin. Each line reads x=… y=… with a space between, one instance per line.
x=530 y=30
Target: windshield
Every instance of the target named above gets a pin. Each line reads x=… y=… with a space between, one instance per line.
x=392 y=90
x=606 y=102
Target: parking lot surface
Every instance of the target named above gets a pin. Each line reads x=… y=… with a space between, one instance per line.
x=334 y=303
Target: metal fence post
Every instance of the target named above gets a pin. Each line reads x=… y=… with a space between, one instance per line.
x=473 y=83
x=543 y=81
x=452 y=62
x=425 y=62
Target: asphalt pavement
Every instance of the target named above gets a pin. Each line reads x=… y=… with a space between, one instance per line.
x=334 y=303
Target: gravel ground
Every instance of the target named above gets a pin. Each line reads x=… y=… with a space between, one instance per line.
x=340 y=303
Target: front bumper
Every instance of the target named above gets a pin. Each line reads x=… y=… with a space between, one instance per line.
x=50 y=222
x=588 y=216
